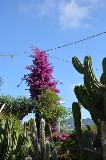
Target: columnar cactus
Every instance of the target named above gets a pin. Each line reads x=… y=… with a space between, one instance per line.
x=77 y=122
x=88 y=139
x=92 y=94
x=42 y=139
x=7 y=140
x=47 y=150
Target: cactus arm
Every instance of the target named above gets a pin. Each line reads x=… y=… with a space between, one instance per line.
x=78 y=65
x=90 y=76
x=86 y=101
x=93 y=85
x=102 y=79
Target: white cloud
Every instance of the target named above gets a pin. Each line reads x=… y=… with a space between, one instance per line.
x=78 y=13
x=46 y=7
x=72 y=14
x=27 y=7
x=93 y=1
x=40 y=8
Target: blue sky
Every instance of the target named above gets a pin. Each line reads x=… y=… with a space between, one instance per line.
x=48 y=24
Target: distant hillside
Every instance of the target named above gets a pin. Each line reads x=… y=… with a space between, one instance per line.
x=70 y=123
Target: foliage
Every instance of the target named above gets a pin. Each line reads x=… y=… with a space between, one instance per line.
x=93 y=128
x=40 y=76
x=30 y=125
x=19 y=106
x=71 y=146
x=66 y=145
x=49 y=106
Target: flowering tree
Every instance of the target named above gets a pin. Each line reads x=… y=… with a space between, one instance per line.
x=40 y=78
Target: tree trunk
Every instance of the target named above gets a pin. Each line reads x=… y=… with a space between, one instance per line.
x=37 y=120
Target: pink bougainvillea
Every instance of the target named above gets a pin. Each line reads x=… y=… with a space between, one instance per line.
x=60 y=137
x=40 y=76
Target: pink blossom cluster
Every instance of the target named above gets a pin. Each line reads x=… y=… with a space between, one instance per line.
x=40 y=77
x=60 y=136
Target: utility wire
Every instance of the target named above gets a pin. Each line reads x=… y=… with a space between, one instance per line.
x=66 y=61
x=75 y=42
x=81 y=40
x=61 y=59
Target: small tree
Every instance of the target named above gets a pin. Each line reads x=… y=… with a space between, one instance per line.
x=19 y=106
x=50 y=107
x=40 y=78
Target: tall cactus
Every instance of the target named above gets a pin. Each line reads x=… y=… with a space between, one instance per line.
x=92 y=94
x=79 y=135
x=7 y=140
x=88 y=139
x=47 y=150
x=42 y=139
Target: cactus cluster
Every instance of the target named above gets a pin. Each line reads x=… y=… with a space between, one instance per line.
x=84 y=138
x=16 y=144
x=13 y=145
x=92 y=96
x=46 y=152
x=41 y=149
